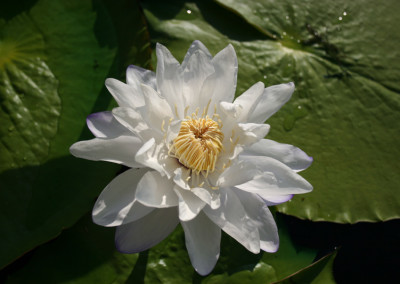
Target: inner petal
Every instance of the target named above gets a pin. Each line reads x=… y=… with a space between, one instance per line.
x=198 y=144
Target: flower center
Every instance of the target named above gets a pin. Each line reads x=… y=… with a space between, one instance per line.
x=198 y=144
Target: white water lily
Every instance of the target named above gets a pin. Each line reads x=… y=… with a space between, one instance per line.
x=197 y=157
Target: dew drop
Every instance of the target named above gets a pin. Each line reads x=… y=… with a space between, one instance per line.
x=265 y=76
x=189 y=12
x=340 y=18
x=344 y=13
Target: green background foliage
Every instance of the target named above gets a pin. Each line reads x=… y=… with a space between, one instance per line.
x=345 y=112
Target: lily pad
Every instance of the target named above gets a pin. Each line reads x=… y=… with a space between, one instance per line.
x=54 y=60
x=345 y=111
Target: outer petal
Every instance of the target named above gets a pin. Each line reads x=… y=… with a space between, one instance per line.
x=154 y=190
x=198 y=68
x=249 y=100
x=276 y=179
x=272 y=100
x=221 y=85
x=262 y=219
x=104 y=125
x=116 y=204
x=169 y=81
x=135 y=76
x=156 y=110
x=195 y=46
x=146 y=232
x=290 y=155
x=189 y=204
x=120 y=150
x=238 y=173
x=125 y=95
x=203 y=240
x=133 y=121
x=232 y=218
x=250 y=133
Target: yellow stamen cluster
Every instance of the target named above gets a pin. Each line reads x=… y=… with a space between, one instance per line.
x=198 y=144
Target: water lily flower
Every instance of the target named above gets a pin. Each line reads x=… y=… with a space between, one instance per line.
x=196 y=156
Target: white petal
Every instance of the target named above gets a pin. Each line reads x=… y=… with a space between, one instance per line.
x=262 y=219
x=250 y=133
x=120 y=150
x=221 y=85
x=135 y=76
x=249 y=100
x=156 y=110
x=146 y=232
x=232 y=218
x=169 y=81
x=133 y=121
x=237 y=173
x=189 y=204
x=154 y=190
x=104 y=125
x=290 y=155
x=195 y=46
x=209 y=196
x=116 y=204
x=272 y=100
x=156 y=156
x=125 y=95
x=271 y=200
x=276 y=179
x=203 y=240
x=198 y=68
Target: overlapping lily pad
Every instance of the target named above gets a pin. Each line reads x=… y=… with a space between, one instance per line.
x=345 y=111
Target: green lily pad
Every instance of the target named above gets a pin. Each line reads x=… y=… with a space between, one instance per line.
x=54 y=60
x=345 y=111
x=82 y=254
x=320 y=271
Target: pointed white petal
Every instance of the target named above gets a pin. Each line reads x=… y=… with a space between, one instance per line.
x=221 y=85
x=237 y=173
x=203 y=240
x=156 y=110
x=133 y=121
x=169 y=80
x=125 y=95
x=198 y=68
x=146 y=232
x=249 y=100
x=195 y=46
x=271 y=200
x=272 y=100
x=154 y=190
x=232 y=218
x=262 y=219
x=135 y=76
x=209 y=196
x=116 y=204
x=156 y=156
x=276 y=178
x=120 y=150
x=104 y=125
x=290 y=155
x=250 y=133
x=189 y=204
